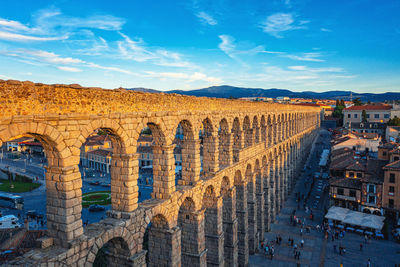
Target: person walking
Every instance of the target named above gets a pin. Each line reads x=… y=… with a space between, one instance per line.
x=361 y=246
x=369 y=263
x=302 y=243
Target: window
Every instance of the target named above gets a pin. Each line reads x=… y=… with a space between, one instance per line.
x=367 y=116
x=353 y=193
x=391 y=190
x=384 y=153
x=391 y=178
x=351 y=174
x=376 y=116
x=395 y=158
x=359 y=174
x=349 y=116
x=355 y=116
x=386 y=116
x=391 y=203
x=371 y=188
x=340 y=191
x=371 y=199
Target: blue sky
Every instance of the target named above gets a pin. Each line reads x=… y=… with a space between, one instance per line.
x=298 y=45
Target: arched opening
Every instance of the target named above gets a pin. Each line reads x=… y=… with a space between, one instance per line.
x=270 y=131
x=144 y=150
x=248 y=132
x=213 y=227
x=252 y=210
x=256 y=130
x=24 y=161
x=191 y=224
x=224 y=157
x=237 y=139
x=114 y=253
x=187 y=161
x=100 y=172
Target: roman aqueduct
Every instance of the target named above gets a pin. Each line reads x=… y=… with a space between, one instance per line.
x=252 y=153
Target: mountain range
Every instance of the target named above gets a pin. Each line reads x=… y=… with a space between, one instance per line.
x=226 y=91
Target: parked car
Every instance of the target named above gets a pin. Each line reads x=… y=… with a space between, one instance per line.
x=96 y=207
x=95 y=183
x=105 y=184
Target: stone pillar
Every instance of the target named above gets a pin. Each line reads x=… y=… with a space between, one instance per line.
x=270 y=135
x=193 y=248
x=242 y=216
x=64 y=204
x=267 y=200
x=164 y=247
x=252 y=217
x=230 y=225
x=210 y=154
x=260 y=206
x=277 y=185
x=124 y=176
x=272 y=193
x=163 y=171
x=256 y=134
x=214 y=233
x=190 y=162
x=237 y=145
x=225 y=150
x=276 y=133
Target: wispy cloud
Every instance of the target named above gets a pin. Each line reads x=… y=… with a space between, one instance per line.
x=312 y=56
x=325 y=30
x=278 y=23
x=206 y=18
x=137 y=50
x=316 y=70
x=197 y=76
x=51 y=25
x=69 y=69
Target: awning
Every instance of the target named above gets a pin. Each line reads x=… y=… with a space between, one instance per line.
x=355 y=218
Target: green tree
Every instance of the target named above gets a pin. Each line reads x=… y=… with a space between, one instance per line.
x=364 y=115
x=357 y=102
x=342 y=103
x=338 y=111
x=394 y=122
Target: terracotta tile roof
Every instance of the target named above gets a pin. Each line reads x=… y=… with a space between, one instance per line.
x=356 y=166
x=370 y=107
x=393 y=165
x=346 y=182
x=96 y=140
x=390 y=145
x=101 y=152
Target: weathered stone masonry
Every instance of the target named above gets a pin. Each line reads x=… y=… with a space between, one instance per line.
x=251 y=155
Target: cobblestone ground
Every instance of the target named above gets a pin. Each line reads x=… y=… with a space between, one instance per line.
x=317 y=251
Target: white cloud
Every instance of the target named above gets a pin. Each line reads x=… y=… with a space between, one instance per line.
x=281 y=22
x=227 y=45
x=313 y=56
x=52 y=57
x=197 y=76
x=69 y=69
x=9 y=36
x=206 y=18
x=325 y=30
x=12 y=25
x=326 y=69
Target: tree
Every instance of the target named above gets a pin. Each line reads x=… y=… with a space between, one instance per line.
x=394 y=122
x=364 y=115
x=338 y=111
x=357 y=102
x=342 y=103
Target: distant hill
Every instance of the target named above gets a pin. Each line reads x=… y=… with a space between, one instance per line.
x=226 y=91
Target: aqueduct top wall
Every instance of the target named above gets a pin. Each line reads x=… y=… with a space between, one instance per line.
x=27 y=98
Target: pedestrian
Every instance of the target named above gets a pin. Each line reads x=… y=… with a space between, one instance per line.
x=334 y=248
x=369 y=263
x=361 y=246
x=365 y=239
x=301 y=231
x=302 y=243
x=266 y=250
x=298 y=255
x=291 y=242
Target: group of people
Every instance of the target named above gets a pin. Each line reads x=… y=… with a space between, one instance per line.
x=268 y=249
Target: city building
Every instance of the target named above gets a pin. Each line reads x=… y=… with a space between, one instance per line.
x=369 y=127
x=96 y=153
x=393 y=134
x=24 y=144
x=373 y=113
x=391 y=189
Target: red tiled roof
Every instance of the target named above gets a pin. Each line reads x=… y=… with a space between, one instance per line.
x=101 y=152
x=393 y=165
x=370 y=107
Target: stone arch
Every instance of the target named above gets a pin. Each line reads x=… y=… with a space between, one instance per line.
x=63 y=182
x=248 y=132
x=225 y=185
x=237 y=139
x=256 y=130
x=238 y=179
x=119 y=241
